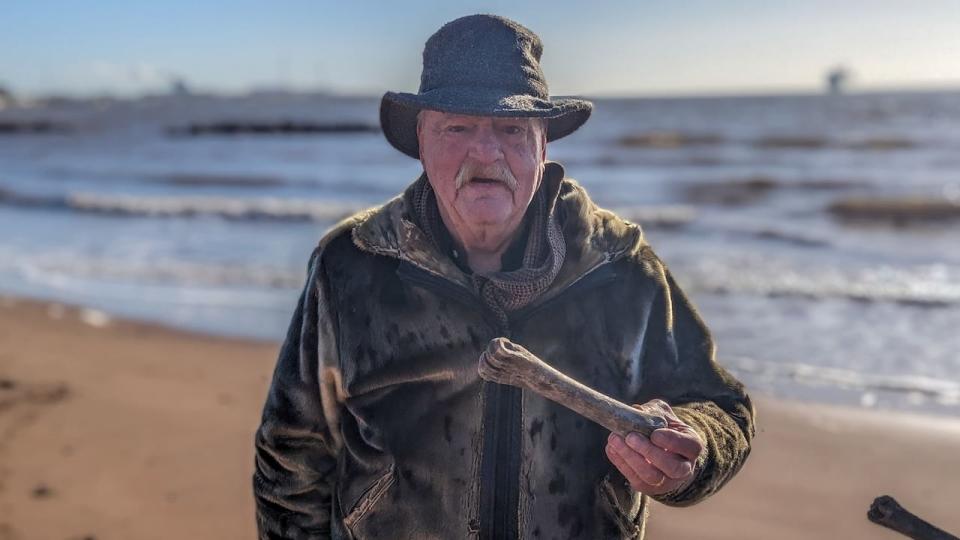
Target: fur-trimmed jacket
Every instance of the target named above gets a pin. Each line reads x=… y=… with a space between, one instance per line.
x=377 y=425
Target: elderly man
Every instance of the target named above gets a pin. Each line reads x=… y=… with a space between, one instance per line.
x=377 y=425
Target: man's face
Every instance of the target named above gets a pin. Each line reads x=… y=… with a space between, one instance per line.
x=483 y=169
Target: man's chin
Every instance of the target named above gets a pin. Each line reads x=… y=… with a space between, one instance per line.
x=487 y=216
x=488 y=222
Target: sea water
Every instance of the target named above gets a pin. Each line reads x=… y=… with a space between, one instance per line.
x=212 y=233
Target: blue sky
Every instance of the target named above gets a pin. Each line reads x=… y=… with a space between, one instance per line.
x=615 y=47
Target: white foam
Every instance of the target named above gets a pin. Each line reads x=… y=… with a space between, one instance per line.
x=56 y=268
x=95 y=318
x=930 y=285
x=917 y=387
x=231 y=208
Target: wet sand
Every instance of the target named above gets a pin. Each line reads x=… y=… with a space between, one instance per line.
x=113 y=429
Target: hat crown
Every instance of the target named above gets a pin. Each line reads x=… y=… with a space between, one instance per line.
x=481 y=65
x=484 y=51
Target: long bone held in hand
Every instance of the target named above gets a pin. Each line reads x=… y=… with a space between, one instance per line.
x=506 y=362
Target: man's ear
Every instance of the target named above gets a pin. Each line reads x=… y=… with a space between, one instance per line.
x=543 y=140
x=419 y=136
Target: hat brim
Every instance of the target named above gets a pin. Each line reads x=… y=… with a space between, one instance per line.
x=398 y=112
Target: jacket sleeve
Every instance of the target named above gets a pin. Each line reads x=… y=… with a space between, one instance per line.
x=680 y=368
x=296 y=443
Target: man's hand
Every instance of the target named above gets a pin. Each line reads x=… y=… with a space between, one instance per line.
x=664 y=462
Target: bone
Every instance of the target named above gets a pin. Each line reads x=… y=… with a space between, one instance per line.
x=506 y=362
x=887 y=512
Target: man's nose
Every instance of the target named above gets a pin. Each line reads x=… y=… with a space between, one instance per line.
x=486 y=147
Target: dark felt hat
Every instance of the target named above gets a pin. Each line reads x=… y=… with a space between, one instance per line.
x=481 y=65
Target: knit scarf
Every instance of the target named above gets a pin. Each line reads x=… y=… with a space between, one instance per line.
x=507 y=291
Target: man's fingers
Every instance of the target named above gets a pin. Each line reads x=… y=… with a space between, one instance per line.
x=686 y=443
x=672 y=465
x=622 y=466
x=633 y=465
x=678 y=437
x=661 y=463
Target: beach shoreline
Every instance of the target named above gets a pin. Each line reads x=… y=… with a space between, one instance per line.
x=112 y=428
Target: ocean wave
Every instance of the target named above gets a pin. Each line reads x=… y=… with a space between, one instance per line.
x=927 y=286
x=799 y=240
x=186 y=180
x=945 y=392
x=660 y=217
x=751 y=189
x=156 y=272
x=242 y=181
x=281 y=127
x=241 y=209
x=669 y=139
x=217 y=180
x=896 y=211
x=267 y=208
x=659 y=140
x=179 y=179
x=35 y=127
x=816 y=142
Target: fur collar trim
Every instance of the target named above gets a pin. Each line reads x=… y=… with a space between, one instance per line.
x=593 y=236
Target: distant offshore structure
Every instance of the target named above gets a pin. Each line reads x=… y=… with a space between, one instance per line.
x=179 y=87
x=836 y=80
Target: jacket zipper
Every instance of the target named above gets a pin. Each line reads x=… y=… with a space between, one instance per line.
x=503 y=466
x=509 y=422
x=500 y=413
x=500 y=466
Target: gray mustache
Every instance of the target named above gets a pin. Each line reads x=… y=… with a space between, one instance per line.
x=496 y=171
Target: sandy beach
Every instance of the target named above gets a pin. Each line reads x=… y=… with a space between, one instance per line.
x=113 y=429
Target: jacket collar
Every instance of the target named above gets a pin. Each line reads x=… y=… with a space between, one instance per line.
x=593 y=236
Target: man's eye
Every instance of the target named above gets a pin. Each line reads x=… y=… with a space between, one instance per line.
x=456 y=129
x=512 y=130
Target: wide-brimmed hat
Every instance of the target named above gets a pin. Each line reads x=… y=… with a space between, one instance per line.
x=481 y=65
